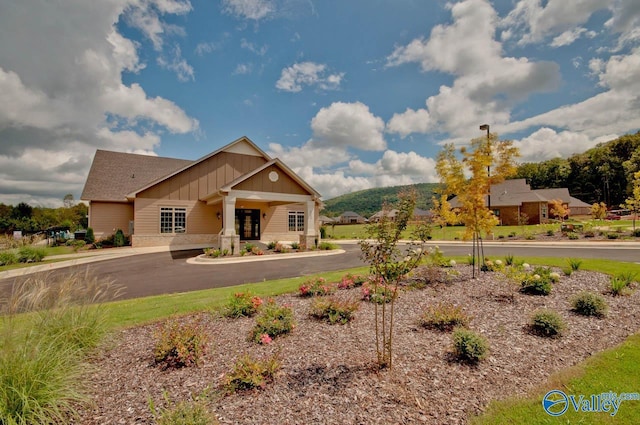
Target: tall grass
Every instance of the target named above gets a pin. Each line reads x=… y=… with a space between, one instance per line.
x=46 y=330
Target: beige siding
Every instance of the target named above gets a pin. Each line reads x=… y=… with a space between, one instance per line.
x=277 y=222
x=201 y=218
x=261 y=183
x=106 y=217
x=204 y=178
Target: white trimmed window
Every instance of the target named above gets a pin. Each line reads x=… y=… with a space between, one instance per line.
x=173 y=219
x=296 y=221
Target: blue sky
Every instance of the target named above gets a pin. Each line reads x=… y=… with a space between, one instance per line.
x=351 y=94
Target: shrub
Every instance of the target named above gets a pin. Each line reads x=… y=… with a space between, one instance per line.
x=568 y=271
x=444 y=317
x=273 y=320
x=537 y=282
x=242 y=304
x=573 y=235
x=508 y=260
x=378 y=294
x=512 y=234
x=546 y=323
x=31 y=254
x=612 y=236
x=333 y=310
x=589 y=304
x=271 y=245
x=327 y=246
x=349 y=281
x=179 y=344
x=295 y=245
x=323 y=232
x=550 y=232
x=251 y=373
x=469 y=346
x=119 y=239
x=589 y=234
x=619 y=283
x=636 y=233
x=316 y=286
x=212 y=252
x=7 y=258
x=574 y=263
x=89 y=237
x=436 y=257
x=183 y=413
x=249 y=247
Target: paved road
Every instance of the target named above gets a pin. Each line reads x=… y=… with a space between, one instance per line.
x=168 y=272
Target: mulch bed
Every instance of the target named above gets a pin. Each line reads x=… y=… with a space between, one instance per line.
x=327 y=374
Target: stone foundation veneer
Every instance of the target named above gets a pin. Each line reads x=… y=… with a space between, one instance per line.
x=309 y=241
x=138 y=241
x=226 y=242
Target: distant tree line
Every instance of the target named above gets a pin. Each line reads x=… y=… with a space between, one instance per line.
x=601 y=174
x=31 y=219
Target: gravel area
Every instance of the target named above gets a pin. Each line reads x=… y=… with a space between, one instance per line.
x=327 y=374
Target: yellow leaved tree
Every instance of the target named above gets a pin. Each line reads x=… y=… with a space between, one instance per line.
x=469 y=174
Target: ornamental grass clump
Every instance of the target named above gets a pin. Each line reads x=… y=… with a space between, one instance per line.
x=251 y=373
x=620 y=283
x=47 y=329
x=469 y=346
x=589 y=304
x=273 y=320
x=242 y=304
x=444 y=317
x=31 y=254
x=191 y=412
x=333 y=310
x=546 y=323
x=179 y=344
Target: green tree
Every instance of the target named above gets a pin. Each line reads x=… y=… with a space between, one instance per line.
x=68 y=200
x=633 y=202
x=487 y=162
x=388 y=265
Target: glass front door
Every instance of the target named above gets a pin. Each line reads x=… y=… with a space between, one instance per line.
x=248 y=224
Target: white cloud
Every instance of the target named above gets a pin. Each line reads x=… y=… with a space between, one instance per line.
x=488 y=84
x=243 y=69
x=568 y=37
x=249 y=9
x=309 y=153
x=178 y=64
x=60 y=113
x=348 y=125
x=260 y=51
x=546 y=144
x=295 y=76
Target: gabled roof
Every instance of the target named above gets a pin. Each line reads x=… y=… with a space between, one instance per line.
x=229 y=186
x=115 y=174
x=242 y=145
x=350 y=214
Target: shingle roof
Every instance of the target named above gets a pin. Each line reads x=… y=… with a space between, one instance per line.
x=113 y=175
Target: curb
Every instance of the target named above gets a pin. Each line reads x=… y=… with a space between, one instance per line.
x=203 y=260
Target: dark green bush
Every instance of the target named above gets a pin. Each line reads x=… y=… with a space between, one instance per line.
x=589 y=304
x=469 y=346
x=119 y=239
x=444 y=317
x=89 y=237
x=547 y=323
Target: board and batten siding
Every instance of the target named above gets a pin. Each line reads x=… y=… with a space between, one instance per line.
x=106 y=217
x=204 y=178
x=201 y=218
x=261 y=183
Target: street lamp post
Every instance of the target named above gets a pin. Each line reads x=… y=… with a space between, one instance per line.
x=486 y=127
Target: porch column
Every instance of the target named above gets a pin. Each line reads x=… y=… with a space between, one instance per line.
x=309 y=238
x=229 y=240
x=229 y=216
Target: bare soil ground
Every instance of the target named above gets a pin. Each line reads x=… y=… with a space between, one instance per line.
x=327 y=375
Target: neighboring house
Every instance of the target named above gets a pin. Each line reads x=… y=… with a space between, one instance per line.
x=422 y=215
x=513 y=199
x=326 y=220
x=390 y=214
x=350 y=217
x=235 y=193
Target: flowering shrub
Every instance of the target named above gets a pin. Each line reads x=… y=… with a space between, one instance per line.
x=316 y=286
x=273 y=320
x=444 y=317
x=378 y=294
x=351 y=281
x=333 y=310
x=242 y=304
x=537 y=282
x=250 y=373
x=179 y=344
